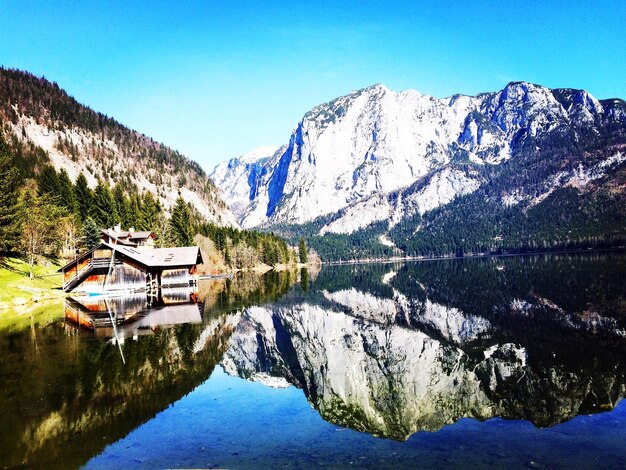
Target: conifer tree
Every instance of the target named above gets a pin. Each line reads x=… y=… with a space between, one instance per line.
x=83 y=197
x=66 y=193
x=304 y=279
x=101 y=209
x=48 y=182
x=123 y=206
x=149 y=212
x=134 y=214
x=302 y=251
x=9 y=182
x=91 y=233
x=181 y=223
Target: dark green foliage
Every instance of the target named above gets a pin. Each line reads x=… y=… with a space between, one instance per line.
x=9 y=182
x=66 y=197
x=134 y=215
x=102 y=210
x=122 y=204
x=246 y=248
x=48 y=182
x=332 y=246
x=304 y=279
x=180 y=223
x=149 y=212
x=270 y=253
x=302 y=250
x=567 y=219
x=83 y=197
x=91 y=232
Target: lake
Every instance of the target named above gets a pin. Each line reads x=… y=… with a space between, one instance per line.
x=473 y=363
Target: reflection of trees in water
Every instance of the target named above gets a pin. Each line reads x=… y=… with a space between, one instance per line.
x=244 y=289
x=65 y=389
x=60 y=402
x=442 y=340
x=477 y=286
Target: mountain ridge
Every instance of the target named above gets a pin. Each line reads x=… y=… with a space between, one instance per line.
x=377 y=156
x=42 y=124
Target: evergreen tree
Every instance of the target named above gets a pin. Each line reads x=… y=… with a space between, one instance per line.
x=48 y=182
x=101 y=209
x=134 y=213
x=304 y=279
x=123 y=206
x=83 y=197
x=270 y=254
x=66 y=193
x=91 y=233
x=149 y=213
x=180 y=223
x=227 y=258
x=9 y=182
x=302 y=251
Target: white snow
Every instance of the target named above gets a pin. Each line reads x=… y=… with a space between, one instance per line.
x=354 y=153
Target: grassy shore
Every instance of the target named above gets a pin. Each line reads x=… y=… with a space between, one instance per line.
x=18 y=290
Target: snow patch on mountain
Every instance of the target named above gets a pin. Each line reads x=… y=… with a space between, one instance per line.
x=578 y=177
x=377 y=155
x=240 y=178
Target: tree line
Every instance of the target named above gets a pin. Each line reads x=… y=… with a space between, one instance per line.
x=49 y=216
x=243 y=249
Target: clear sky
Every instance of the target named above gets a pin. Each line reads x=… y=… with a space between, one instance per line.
x=214 y=79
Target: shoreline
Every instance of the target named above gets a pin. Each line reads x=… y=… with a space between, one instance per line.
x=404 y=259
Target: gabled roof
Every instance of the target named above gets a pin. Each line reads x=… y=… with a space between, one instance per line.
x=141 y=235
x=154 y=257
x=126 y=235
x=161 y=257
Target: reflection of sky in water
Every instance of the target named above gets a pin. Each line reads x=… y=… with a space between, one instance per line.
x=229 y=422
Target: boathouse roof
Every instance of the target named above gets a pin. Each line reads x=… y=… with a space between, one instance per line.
x=161 y=257
x=152 y=258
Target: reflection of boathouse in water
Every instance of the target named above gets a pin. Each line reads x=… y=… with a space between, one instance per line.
x=129 y=316
x=127 y=262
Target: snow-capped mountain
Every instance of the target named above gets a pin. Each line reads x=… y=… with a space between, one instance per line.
x=391 y=356
x=248 y=167
x=378 y=155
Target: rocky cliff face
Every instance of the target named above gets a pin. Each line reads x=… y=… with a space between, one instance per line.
x=392 y=360
x=377 y=155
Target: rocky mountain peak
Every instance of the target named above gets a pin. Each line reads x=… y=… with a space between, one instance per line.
x=355 y=153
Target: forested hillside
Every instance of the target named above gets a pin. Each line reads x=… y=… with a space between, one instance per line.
x=66 y=171
x=41 y=124
x=378 y=173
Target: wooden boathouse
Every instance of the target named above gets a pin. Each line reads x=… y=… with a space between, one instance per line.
x=126 y=262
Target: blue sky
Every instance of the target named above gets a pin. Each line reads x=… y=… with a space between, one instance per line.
x=216 y=79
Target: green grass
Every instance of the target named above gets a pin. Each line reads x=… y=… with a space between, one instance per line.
x=16 y=319
x=17 y=289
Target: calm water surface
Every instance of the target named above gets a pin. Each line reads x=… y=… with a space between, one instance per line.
x=516 y=362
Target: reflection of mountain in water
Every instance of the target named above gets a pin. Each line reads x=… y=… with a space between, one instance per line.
x=392 y=350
